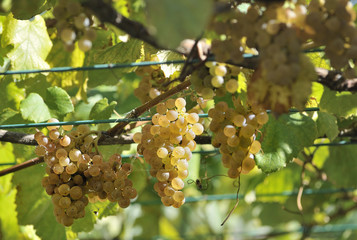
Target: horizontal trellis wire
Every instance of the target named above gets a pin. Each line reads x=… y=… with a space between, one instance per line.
x=233 y=196
x=28 y=125
x=122 y=65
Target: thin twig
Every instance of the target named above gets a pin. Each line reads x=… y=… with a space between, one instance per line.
x=23 y=165
x=235 y=205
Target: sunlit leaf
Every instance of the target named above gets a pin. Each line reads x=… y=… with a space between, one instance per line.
x=30 y=40
x=283 y=139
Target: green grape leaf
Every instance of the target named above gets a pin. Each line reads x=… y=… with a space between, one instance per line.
x=30 y=40
x=102 y=110
x=9 y=227
x=34 y=206
x=175 y=21
x=37 y=84
x=7 y=114
x=120 y=53
x=327 y=125
x=94 y=211
x=33 y=108
x=169 y=69
x=26 y=9
x=10 y=94
x=283 y=139
x=340 y=164
x=124 y=95
x=277 y=182
x=58 y=102
x=59 y=57
x=340 y=103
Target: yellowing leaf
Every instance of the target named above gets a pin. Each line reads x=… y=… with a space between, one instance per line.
x=30 y=40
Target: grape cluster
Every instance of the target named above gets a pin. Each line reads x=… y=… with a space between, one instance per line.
x=275 y=31
x=73 y=23
x=331 y=23
x=235 y=135
x=152 y=82
x=74 y=171
x=215 y=79
x=167 y=146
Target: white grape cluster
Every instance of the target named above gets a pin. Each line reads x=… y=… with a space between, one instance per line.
x=235 y=134
x=167 y=146
x=74 y=171
x=332 y=23
x=73 y=24
x=215 y=79
x=152 y=82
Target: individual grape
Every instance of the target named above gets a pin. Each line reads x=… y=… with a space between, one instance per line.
x=217 y=81
x=54 y=134
x=172 y=115
x=197 y=128
x=192 y=118
x=178 y=196
x=182 y=165
x=81 y=21
x=178 y=152
x=181 y=122
x=207 y=93
x=239 y=120
x=94 y=171
x=177 y=183
x=67 y=221
x=124 y=202
x=162 y=152
x=161 y=108
x=76 y=192
x=65 y=141
x=63 y=189
x=248 y=165
x=162 y=175
x=84 y=44
x=75 y=155
x=167 y=201
x=57 y=168
x=229 y=130
x=42 y=140
x=232 y=86
x=170 y=103
x=71 y=168
x=64 y=202
x=64 y=161
x=137 y=137
x=163 y=121
x=180 y=103
x=78 y=180
x=220 y=70
x=68 y=35
x=262 y=118
x=255 y=147
x=72 y=211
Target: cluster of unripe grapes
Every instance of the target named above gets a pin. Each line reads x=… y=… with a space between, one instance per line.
x=332 y=23
x=73 y=24
x=76 y=175
x=152 y=82
x=235 y=132
x=215 y=79
x=167 y=145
